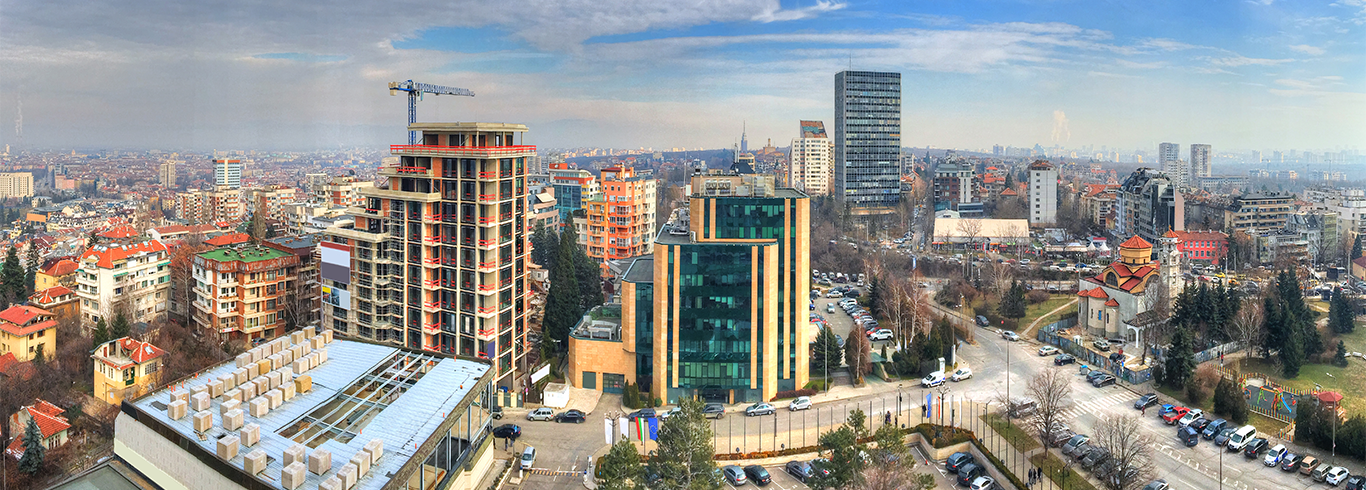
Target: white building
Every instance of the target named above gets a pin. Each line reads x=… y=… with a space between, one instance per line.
x=227 y=172
x=139 y=273
x=1043 y=193
x=16 y=184
x=810 y=160
x=1199 y=162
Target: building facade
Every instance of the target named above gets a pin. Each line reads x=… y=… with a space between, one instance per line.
x=1259 y=212
x=437 y=259
x=341 y=191
x=135 y=276
x=126 y=368
x=16 y=184
x=1199 y=162
x=26 y=330
x=1043 y=194
x=868 y=140
x=166 y=174
x=227 y=173
x=953 y=184
x=719 y=310
x=274 y=197
x=1150 y=205
x=241 y=293
x=810 y=160
x=621 y=218
x=222 y=204
x=573 y=186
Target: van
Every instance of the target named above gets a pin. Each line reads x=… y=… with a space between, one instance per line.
x=1022 y=407
x=1188 y=436
x=1239 y=439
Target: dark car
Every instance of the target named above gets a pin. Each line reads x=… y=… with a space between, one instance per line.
x=648 y=413
x=568 y=416
x=507 y=431
x=801 y=470
x=1145 y=401
x=1356 y=482
x=819 y=465
x=1224 y=433
x=1075 y=442
x=1094 y=457
x=1188 y=436
x=1213 y=428
x=957 y=460
x=758 y=474
x=714 y=410
x=1103 y=381
x=1291 y=462
x=1062 y=359
x=1081 y=451
x=1200 y=424
x=968 y=473
x=1060 y=436
x=982 y=321
x=1093 y=374
x=1255 y=448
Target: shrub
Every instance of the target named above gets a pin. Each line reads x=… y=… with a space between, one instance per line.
x=1037 y=296
x=794 y=393
x=630 y=396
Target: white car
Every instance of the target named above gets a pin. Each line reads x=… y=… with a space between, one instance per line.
x=528 y=457
x=1048 y=350
x=880 y=334
x=1274 y=455
x=934 y=379
x=800 y=403
x=983 y=483
x=1190 y=416
x=1010 y=335
x=1336 y=475
x=961 y=374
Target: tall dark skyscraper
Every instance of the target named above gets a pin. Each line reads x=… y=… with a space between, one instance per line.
x=868 y=140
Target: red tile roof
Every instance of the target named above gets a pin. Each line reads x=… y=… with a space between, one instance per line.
x=1098 y=293
x=49 y=419
x=11 y=366
x=107 y=255
x=228 y=239
x=21 y=320
x=1009 y=192
x=62 y=268
x=1112 y=303
x=1135 y=242
x=120 y=232
x=50 y=295
x=139 y=351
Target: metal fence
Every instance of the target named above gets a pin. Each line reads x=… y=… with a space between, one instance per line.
x=1094 y=360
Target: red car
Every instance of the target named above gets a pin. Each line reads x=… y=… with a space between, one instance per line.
x=1177 y=412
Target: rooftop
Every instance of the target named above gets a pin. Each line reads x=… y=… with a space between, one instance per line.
x=641 y=270
x=252 y=254
x=362 y=392
x=466 y=126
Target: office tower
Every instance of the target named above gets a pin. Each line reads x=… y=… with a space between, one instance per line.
x=719 y=310
x=868 y=140
x=1150 y=205
x=167 y=173
x=1043 y=193
x=573 y=186
x=1199 y=162
x=744 y=140
x=227 y=173
x=16 y=184
x=437 y=259
x=809 y=159
x=997 y=150
x=620 y=221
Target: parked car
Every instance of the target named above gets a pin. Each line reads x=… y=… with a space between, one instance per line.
x=1336 y=475
x=760 y=408
x=982 y=321
x=961 y=374
x=1103 y=381
x=1021 y=407
x=1199 y=424
x=507 y=431
x=1308 y=464
x=1010 y=335
x=1356 y=482
x=933 y=379
x=800 y=403
x=1081 y=451
x=648 y=413
x=734 y=475
x=1320 y=472
x=1094 y=457
x=983 y=483
x=1213 y=428
x=497 y=412
x=801 y=470
x=957 y=460
x=1291 y=462
x=1190 y=417
x=1255 y=448
x=1062 y=359
x=1156 y=485
x=1047 y=350
x=1222 y=438
x=880 y=334
x=1163 y=410
x=713 y=410
x=1101 y=344
x=758 y=474
x=1241 y=438
x=1274 y=455
x=528 y=457
x=1075 y=442
x=969 y=472
x=1059 y=437
x=542 y=413
x=573 y=416
x=1188 y=436
x=1174 y=415
x=1145 y=401
x=821 y=467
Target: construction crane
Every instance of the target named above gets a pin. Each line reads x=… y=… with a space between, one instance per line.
x=415 y=91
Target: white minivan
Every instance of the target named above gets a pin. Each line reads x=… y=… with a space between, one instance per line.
x=1239 y=439
x=934 y=379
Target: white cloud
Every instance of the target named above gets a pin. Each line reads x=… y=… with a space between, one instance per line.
x=1238 y=60
x=775 y=13
x=1307 y=49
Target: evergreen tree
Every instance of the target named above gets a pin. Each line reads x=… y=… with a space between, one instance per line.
x=875 y=297
x=684 y=458
x=31 y=277
x=620 y=468
x=90 y=242
x=1356 y=249
x=101 y=334
x=120 y=327
x=845 y=463
x=1222 y=394
x=1292 y=356
x=562 y=306
x=1340 y=317
x=544 y=244
x=826 y=354
x=1340 y=359
x=588 y=274
x=1013 y=303
x=12 y=275
x=32 y=460
x=1180 y=359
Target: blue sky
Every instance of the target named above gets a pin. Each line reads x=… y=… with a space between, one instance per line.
x=626 y=73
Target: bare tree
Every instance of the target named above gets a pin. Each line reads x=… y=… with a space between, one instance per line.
x=969 y=229
x=1052 y=391
x=301 y=299
x=1130 y=450
x=1154 y=319
x=894 y=306
x=895 y=477
x=999 y=277
x=920 y=307
x=1247 y=324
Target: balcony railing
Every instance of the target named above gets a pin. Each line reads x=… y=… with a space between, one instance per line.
x=487 y=309
x=463 y=151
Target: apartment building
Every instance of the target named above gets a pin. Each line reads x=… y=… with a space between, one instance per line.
x=166 y=173
x=16 y=184
x=620 y=220
x=275 y=197
x=241 y=293
x=1150 y=205
x=437 y=259
x=342 y=191
x=125 y=369
x=1259 y=213
x=26 y=330
x=227 y=173
x=1043 y=194
x=573 y=186
x=200 y=206
x=137 y=275
x=810 y=167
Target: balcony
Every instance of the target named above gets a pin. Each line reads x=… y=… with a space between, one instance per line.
x=463 y=151
x=486 y=198
x=433 y=327
x=488 y=333
x=406 y=171
x=431 y=306
x=486 y=310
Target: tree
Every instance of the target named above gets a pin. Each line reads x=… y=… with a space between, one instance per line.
x=119 y=327
x=1013 y=303
x=892 y=466
x=32 y=460
x=182 y=271
x=1131 y=450
x=1340 y=317
x=1340 y=359
x=827 y=353
x=877 y=297
x=1180 y=359
x=1052 y=391
x=12 y=276
x=301 y=299
x=620 y=468
x=31 y=274
x=859 y=353
x=259 y=228
x=845 y=464
x=684 y=458
x=101 y=334
x=562 y=306
x=544 y=243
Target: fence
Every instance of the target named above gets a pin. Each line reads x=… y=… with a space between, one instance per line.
x=1094 y=360
x=1265 y=397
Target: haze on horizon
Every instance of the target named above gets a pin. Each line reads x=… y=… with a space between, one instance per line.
x=625 y=73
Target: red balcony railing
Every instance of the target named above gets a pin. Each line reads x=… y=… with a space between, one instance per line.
x=487 y=309
x=488 y=264
x=463 y=151
x=487 y=198
x=486 y=220
x=487 y=242
x=486 y=287
x=431 y=304
x=487 y=332
x=431 y=283
x=488 y=175
x=431 y=261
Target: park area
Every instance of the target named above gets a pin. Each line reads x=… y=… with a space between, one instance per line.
x=1350 y=381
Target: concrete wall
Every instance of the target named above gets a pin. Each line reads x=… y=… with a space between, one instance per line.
x=162 y=462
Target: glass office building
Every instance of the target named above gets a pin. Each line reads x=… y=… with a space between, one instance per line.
x=868 y=140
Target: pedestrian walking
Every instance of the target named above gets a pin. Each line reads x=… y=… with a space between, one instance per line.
x=1144 y=410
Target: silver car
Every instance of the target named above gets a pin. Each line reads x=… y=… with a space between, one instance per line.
x=542 y=413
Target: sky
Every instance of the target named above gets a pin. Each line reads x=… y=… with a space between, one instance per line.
x=303 y=75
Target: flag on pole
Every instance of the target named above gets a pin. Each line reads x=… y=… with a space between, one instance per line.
x=654 y=429
x=642 y=428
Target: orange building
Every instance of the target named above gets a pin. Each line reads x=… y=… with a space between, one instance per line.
x=619 y=221
x=60 y=300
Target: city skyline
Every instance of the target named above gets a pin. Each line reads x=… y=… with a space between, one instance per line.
x=624 y=74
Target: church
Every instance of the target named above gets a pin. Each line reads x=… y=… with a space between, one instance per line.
x=1110 y=301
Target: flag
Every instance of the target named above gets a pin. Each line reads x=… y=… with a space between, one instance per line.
x=654 y=429
x=642 y=428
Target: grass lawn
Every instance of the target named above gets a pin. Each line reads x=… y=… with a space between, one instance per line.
x=1011 y=432
x=1034 y=311
x=1350 y=380
x=1065 y=478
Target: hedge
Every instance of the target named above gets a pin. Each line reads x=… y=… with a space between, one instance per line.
x=793 y=394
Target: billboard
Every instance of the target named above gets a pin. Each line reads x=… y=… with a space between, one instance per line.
x=336 y=264
x=339 y=298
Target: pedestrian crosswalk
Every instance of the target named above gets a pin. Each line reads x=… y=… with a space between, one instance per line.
x=1093 y=405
